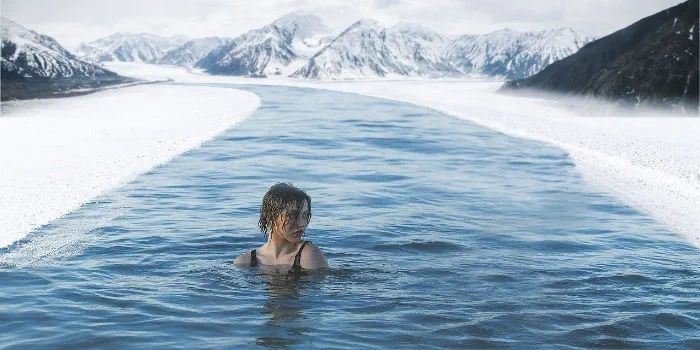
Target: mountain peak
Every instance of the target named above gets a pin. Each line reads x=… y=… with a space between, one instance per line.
x=368 y=49
x=304 y=24
x=8 y=23
x=558 y=31
x=296 y=16
x=365 y=23
x=410 y=26
x=505 y=32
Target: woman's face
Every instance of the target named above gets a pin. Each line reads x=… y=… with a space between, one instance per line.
x=294 y=229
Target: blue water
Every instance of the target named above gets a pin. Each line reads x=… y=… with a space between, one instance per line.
x=440 y=234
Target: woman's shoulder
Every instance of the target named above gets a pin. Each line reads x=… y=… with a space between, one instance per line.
x=312 y=257
x=242 y=259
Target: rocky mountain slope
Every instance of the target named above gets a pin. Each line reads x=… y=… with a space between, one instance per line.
x=35 y=65
x=651 y=62
x=28 y=54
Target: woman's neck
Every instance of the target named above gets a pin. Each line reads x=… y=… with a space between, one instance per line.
x=278 y=246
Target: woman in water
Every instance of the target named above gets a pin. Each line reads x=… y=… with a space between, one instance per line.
x=284 y=215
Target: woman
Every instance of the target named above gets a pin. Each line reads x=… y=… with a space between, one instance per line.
x=284 y=215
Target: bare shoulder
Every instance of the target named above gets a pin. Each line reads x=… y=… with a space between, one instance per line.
x=242 y=259
x=312 y=257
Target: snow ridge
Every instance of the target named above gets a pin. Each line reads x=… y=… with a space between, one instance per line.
x=191 y=52
x=270 y=50
x=129 y=47
x=369 y=50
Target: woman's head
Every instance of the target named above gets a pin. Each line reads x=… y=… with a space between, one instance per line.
x=285 y=211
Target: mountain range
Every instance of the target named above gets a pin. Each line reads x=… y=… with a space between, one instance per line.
x=653 y=61
x=128 y=47
x=300 y=45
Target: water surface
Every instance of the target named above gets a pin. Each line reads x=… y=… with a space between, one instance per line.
x=440 y=234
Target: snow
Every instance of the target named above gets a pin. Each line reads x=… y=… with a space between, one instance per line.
x=58 y=154
x=651 y=162
x=368 y=49
x=129 y=47
x=511 y=53
x=275 y=49
x=44 y=56
x=303 y=24
x=190 y=52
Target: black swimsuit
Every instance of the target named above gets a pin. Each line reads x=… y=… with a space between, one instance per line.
x=296 y=267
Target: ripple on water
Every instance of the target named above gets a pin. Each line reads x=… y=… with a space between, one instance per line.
x=430 y=247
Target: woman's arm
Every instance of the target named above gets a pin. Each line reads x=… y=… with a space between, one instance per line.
x=312 y=258
x=243 y=259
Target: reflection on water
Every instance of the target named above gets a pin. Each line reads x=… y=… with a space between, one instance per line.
x=284 y=308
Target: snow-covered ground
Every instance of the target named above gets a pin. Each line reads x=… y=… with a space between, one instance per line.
x=57 y=154
x=651 y=162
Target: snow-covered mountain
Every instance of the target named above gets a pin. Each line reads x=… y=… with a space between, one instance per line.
x=190 y=52
x=28 y=54
x=512 y=54
x=129 y=47
x=274 y=49
x=369 y=50
x=298 y=45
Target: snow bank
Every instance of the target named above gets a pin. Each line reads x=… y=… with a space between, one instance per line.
x=55 y=155
x=650 y=162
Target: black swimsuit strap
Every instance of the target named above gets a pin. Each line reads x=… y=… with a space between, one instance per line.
x=297 y=258
x=253 y=258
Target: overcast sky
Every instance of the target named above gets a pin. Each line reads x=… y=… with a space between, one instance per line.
x=74 y=21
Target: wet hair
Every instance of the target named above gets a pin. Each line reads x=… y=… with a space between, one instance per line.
x=282 y=198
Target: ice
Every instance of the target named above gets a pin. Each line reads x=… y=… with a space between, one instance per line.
x=56 y=155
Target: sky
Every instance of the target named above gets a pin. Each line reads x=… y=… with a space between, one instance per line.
x=72 y=22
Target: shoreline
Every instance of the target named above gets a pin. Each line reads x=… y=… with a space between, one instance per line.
x=80 y=91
